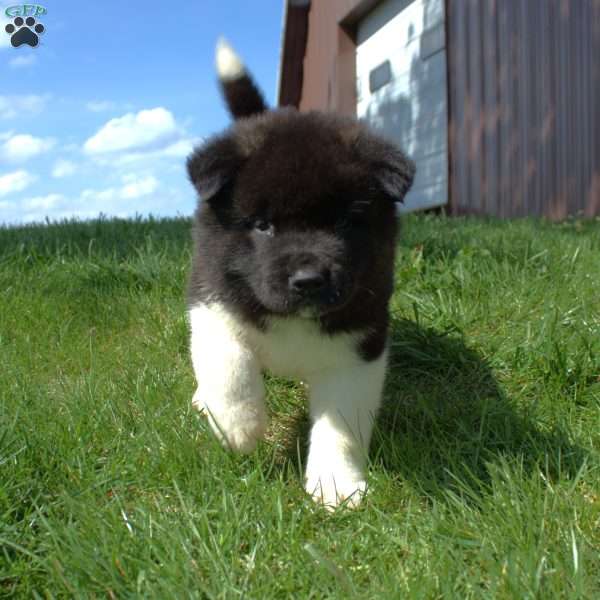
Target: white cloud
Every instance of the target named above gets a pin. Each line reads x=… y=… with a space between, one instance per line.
x=18 y=106
x=23 y=146
x=142 y=131
x=99 y=196
x=23 y=60
x=15 y=181
x=63 y=168
x=118 y=201
x=43 y=202
x=179 y=149
x=110 y=201
x=136 y=187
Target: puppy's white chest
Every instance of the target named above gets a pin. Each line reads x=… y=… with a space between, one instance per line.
x=291 y=347
x=296 y=347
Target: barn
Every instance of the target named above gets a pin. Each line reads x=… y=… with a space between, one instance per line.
x=497 y=101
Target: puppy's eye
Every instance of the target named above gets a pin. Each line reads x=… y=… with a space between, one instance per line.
x=352 y=220
x=357 y=216
x=263 y=227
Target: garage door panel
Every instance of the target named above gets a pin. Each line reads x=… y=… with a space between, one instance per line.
x=405 y=77
x=424 y=135
x=409 y=18
x=431 y=170
x=421 y=199
x=404 y=109
x=401 y=88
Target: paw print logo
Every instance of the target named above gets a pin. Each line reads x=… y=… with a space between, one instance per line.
x=24 y=31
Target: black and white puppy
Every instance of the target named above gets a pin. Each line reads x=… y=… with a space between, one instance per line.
x=292 y=273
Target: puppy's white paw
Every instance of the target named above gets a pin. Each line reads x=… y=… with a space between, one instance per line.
x=239 y=427
x=332 y=490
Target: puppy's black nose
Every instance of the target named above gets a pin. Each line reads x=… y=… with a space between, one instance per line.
x=307 y=281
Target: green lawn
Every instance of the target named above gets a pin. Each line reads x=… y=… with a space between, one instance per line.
x=484 y=480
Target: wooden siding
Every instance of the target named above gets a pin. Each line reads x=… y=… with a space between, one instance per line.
x=524 y=107
x=523 y=99
x=330 y=59
x=293 y=46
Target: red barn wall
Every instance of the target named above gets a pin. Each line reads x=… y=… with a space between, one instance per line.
x=524 y=107
x=523 y=99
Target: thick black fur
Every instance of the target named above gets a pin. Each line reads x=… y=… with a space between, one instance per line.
x=284 y=192
x=243 y=97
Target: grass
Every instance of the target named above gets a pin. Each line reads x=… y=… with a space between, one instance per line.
x=484 y=475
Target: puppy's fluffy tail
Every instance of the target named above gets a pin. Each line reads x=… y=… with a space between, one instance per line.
x=242 y=96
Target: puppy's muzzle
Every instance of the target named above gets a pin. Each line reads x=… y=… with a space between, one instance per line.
x=309 y=283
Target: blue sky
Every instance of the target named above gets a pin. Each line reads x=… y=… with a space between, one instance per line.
x=100 y=116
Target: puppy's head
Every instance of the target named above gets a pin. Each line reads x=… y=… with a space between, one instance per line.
x=299 y=205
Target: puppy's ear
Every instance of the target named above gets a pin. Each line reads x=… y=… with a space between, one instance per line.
x=392 y=169
x=395 y=173
x=212 y=166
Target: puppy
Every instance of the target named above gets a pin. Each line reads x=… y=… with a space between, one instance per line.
x=292 y=273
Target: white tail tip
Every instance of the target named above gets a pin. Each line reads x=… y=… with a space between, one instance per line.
x=229 y=64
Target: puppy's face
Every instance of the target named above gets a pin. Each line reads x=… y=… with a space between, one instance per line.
x=298 y=207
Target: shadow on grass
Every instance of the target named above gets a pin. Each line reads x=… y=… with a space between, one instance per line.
x=445 y=420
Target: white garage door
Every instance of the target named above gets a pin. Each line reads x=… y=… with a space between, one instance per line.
x=401 y=81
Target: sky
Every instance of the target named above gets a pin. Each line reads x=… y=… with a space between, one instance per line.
x=100 y=116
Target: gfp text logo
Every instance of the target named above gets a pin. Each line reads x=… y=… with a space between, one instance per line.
x=25 y=10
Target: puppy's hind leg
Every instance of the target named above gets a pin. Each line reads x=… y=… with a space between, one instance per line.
x=343 y=406
x=230 y=386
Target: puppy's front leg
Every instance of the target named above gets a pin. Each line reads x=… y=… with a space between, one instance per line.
x=230 y=386
x=344 y=404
